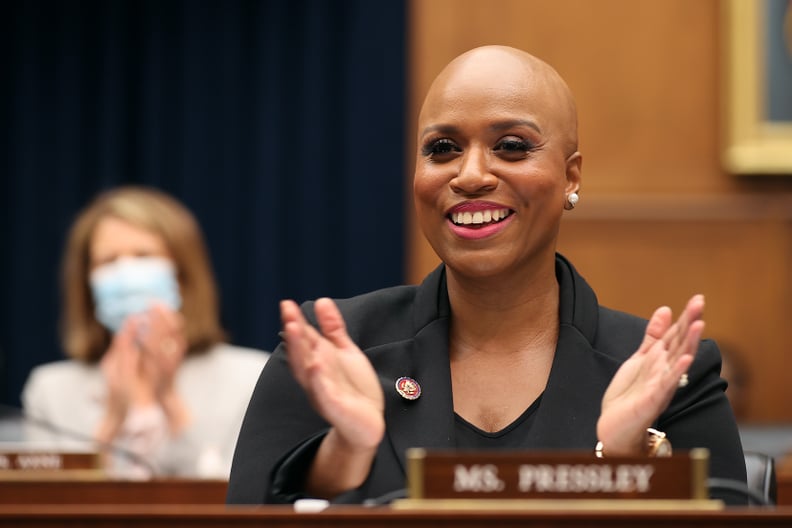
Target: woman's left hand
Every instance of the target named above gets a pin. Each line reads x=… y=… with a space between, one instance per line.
x=645 y=384
x=160 y=336
x=163 y=345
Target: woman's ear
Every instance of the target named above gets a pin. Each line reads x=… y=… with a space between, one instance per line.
x=574 y=166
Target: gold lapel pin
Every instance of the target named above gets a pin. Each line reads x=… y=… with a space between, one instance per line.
x=408 y=388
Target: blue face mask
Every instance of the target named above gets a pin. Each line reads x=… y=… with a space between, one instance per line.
x=130 y=286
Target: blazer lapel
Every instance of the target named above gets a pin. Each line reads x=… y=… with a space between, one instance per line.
x=567 y=416
x=427 y=421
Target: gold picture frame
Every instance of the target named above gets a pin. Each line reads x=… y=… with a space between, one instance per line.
x=754 y=143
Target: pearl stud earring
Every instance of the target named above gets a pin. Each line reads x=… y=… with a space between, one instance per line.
x=572 y=200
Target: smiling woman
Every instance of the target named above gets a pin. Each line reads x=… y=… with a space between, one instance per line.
x=506 y=343
x=484 y=142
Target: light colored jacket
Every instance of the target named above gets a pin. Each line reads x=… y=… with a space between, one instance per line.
x=64 y=402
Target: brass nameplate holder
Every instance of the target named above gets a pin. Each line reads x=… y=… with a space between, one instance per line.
x=46 y=464
x=555 y=479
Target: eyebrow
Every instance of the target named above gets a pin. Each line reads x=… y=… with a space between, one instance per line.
x=443 y=129
x=500 y=125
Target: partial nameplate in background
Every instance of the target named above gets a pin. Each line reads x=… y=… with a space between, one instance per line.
x=25 y=461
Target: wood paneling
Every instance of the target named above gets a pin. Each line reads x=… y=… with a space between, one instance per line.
x=784 y=472
x=639 y=260
x=659 y=218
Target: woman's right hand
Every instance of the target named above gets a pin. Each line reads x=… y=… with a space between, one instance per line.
x=338 y=378
x=119 y=366
x=343 y=388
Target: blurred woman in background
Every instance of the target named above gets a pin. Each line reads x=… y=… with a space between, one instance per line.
x=149 y=378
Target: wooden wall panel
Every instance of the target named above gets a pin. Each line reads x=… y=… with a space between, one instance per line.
x=741 y=265
x=659 y=219
x=643 y=74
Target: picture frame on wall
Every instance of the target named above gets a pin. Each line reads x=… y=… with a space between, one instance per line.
x=758 y=87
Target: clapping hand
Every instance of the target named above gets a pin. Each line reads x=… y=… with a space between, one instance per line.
x=160 y=337
x=140 y=369
x=338 y=378
x=645 y=384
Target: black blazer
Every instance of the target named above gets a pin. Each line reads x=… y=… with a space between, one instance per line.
x=404 y=332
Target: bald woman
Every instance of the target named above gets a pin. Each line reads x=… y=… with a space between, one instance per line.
x=504 y=345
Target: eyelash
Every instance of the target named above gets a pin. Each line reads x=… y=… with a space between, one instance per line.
x=445 y=146
x=439 y=146
x=514 y=145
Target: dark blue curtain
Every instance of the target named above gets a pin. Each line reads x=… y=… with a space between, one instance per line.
x=279 y=123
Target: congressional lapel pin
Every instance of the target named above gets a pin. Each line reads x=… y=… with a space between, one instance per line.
x=408 y=388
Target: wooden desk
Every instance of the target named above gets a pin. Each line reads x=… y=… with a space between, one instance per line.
x=200 y=503
x=182 y=491
x=171 y=491
x=211 y=516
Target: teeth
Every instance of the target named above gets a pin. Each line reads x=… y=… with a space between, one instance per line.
x=479 y=217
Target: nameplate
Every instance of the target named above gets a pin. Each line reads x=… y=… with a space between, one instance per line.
x=554 y=475
x=31 y=463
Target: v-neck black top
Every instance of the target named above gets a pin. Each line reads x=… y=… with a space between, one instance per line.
x=468 y=436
